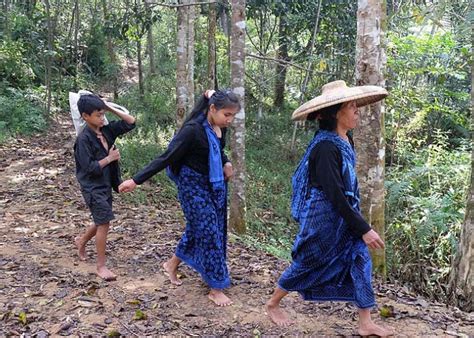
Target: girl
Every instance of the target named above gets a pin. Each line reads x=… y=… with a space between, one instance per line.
x=197 y=164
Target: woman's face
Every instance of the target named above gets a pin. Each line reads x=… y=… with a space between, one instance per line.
x=222 y=117
x=348 y=116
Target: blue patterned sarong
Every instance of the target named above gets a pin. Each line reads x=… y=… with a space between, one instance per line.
x=204 y=242
x=329 y=263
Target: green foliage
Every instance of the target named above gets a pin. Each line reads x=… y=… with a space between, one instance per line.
x=15 y=70
x=20 y=113
x=424 y=212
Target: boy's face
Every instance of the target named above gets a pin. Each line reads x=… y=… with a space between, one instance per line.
x=96 y=119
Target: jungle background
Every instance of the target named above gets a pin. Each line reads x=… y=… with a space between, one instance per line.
x=141 y=54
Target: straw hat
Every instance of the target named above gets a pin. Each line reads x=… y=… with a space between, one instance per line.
x=337 y=92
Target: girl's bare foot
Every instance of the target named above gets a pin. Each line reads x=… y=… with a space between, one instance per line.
x=277 y=315
x=106 y=274
x=218 y=297
x=372 y=329
x=172 y=273
x=81 y=248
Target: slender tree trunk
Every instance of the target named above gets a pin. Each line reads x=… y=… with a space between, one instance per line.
x=307 y=76
x=141 y=87
x=150 y=42
x=369 y=137
x=48 y=68
x=181 y=60
x=6 y=23
x=281 y=68
x=462 y=273
x=211 y=51
x=190 y=56
x=237 y=205
x=110 y=51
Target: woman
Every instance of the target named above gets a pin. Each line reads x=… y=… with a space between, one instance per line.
x=199 y=167
x=331 y=260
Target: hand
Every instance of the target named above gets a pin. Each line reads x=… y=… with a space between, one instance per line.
x=228 y=171
x=373 y=240
x=127 y=186
x=208 y=93
x=114 y=154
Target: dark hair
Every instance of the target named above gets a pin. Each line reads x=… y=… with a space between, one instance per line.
x=88 y=103
x=326 y=117
x=223 y=98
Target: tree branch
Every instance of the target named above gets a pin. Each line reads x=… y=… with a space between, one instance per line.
x=181 y=5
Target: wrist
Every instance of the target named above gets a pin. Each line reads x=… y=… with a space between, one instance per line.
x=107 y=158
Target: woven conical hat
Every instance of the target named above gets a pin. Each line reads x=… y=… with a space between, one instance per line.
x=337 y=92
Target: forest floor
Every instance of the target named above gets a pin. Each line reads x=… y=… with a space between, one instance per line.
x=46 y=290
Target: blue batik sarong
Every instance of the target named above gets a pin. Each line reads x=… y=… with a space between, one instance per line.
x=329 y=263
x=203 y=199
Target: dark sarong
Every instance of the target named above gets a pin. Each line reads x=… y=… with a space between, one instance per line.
x=203 y=245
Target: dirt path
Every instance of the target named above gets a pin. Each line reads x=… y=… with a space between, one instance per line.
x=44 y=290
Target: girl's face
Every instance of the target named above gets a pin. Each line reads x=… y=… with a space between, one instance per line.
x=222 y=117
x=348 y=116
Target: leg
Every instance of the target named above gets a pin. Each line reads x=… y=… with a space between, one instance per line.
x=368 y=328
x=171 y=267
x=81 y=241
x=219 y=298
x=276 y=314
x=101 y=241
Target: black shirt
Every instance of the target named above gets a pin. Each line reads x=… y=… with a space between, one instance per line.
x=325 y=165
x=88 y=151
x=189 y=147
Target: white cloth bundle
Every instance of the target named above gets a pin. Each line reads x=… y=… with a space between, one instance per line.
x=79 y=123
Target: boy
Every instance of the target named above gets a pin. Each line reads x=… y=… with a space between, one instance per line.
x=98 y=172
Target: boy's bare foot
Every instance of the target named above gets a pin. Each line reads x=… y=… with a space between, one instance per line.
x=277 y=315
x=172 y=273
x=81 y=248
x=372 y=329
x=106 y=274
x=219 y=298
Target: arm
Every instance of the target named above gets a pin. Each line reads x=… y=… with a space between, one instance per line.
x=227 y=165
x=84 y=160
x=177 y=149
x=125 y=117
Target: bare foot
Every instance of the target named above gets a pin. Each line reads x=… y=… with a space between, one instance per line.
x=106 y=274
x=172 y=273
x=81 y=248
x=277 y=315
x=219 y=298
x=372 y=329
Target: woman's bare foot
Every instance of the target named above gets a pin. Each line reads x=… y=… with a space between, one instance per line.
x=81 y=248
x=106 y=274
x=372 y=329
x=172 y=273
x=218 y=297
x=277 y=315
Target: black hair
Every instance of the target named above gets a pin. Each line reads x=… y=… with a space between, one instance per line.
x=326 y=117
x=222 y=98
x=88 y=103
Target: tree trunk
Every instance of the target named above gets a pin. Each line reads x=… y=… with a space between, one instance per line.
x=110 y=51
x=281 y=68
x=369 y=136
x=190 y=56
x=181 y=60
x=462 y=273
x=48 y=63
x=237 y=55
x=150 y=42
x=211 y=51
x=141 y=87
x=6 y=24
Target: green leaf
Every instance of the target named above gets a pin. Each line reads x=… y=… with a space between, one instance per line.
x=22 y=318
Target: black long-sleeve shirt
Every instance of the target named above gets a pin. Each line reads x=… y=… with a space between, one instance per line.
x=325 y=165
x=88 y=151
x=189 y=147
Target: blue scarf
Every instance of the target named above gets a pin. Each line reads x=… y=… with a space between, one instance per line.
x=216 y=172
